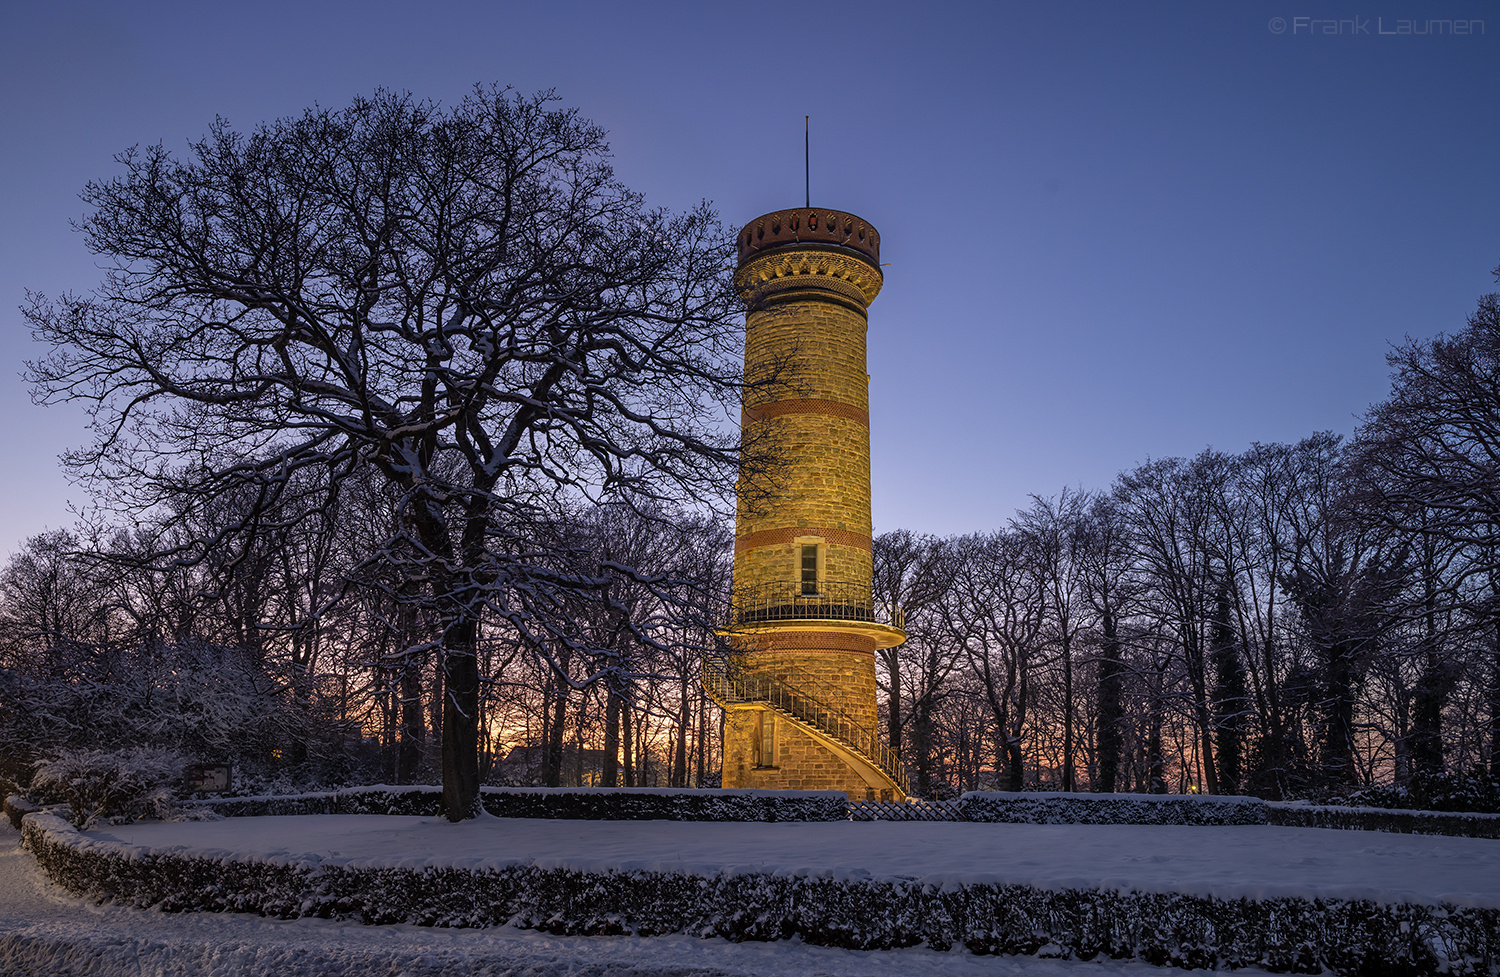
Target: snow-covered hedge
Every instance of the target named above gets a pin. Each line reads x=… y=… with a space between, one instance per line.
x=565 y=803
x=1281 y=934
x=1053 y=808
x=16 y=807
x=1056 y=808
x=420 y=801
x=1380 y=819
x=665 y=804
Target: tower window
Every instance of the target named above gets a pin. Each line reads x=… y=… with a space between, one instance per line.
x=809 y=569
x=767 y=738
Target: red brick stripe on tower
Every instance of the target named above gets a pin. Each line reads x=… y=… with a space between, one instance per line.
x=782 y=537
x=823 y=408
x=805 y=643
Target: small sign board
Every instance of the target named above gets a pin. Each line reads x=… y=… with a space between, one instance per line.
x=207 y=777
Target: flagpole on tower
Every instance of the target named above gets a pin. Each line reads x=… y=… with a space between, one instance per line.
x=806 y=164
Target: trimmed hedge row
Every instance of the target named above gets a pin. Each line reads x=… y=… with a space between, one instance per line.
x=1053 y=808
x=1283 y=934
x=1379 y=819
x=559 y=803
x=652 y=804
x=665 y=804
x=16 y=807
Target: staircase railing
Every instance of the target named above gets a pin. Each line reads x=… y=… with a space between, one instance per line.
x=802 y=696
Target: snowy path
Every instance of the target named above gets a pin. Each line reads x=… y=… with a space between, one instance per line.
x=45 y=932
x=1254 y=861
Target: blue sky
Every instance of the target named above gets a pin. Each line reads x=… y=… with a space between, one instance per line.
x=1115 y=232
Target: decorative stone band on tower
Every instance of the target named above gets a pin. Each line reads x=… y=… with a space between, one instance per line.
x=799 y=690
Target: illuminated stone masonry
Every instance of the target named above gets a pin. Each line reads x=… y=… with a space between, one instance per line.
x=799 y=689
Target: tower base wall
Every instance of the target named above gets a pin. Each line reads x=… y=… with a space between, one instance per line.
x=802 y=763
x=798 y=760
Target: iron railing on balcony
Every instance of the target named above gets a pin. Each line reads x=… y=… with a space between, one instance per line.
x=791 y=600
x=803 y=697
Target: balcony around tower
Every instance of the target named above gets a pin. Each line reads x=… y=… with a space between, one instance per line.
x=841 y=606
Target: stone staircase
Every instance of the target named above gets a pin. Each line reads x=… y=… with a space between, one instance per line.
x=804 y=699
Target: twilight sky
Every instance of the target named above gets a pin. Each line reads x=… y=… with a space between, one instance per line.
x=1113 y=234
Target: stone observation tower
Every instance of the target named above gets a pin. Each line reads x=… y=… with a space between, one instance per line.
x=799 y=688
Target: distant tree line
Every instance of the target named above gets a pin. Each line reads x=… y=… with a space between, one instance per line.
x=294 y=660
x=1293 y=620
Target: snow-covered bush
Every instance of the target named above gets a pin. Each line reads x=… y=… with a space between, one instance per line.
x=202 y=699
x=1477 y=792
x=103 y=784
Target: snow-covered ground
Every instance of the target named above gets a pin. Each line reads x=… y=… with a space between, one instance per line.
x=43 y=931
x=1252 y=861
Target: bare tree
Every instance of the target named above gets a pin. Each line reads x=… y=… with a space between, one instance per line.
x=1057 y=535
x=1168 y=507
x=1339 y=578
x=1104 y=562
x=910 y=581
x=995 y=612
x=50 y=602
x=463 y=299
x=1429 y=457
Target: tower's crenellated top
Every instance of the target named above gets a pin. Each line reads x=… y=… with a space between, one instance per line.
x=815 y=226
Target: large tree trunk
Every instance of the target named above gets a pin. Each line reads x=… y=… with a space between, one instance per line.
x=1432 y=688
x=461 y=721
x=1111 y=709
x=921 y=737
x=610 y=776
x=552 y=763
x=1156 y=773
x=1015 y=764
x=1067 y=653
x=893 y=700
x=1494 y=705
x=627 y=740
x=1430 y=697
x=702 y=752
x=684 y=717
x=1338 y=731
x=412 y=731
x=1273 y=756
